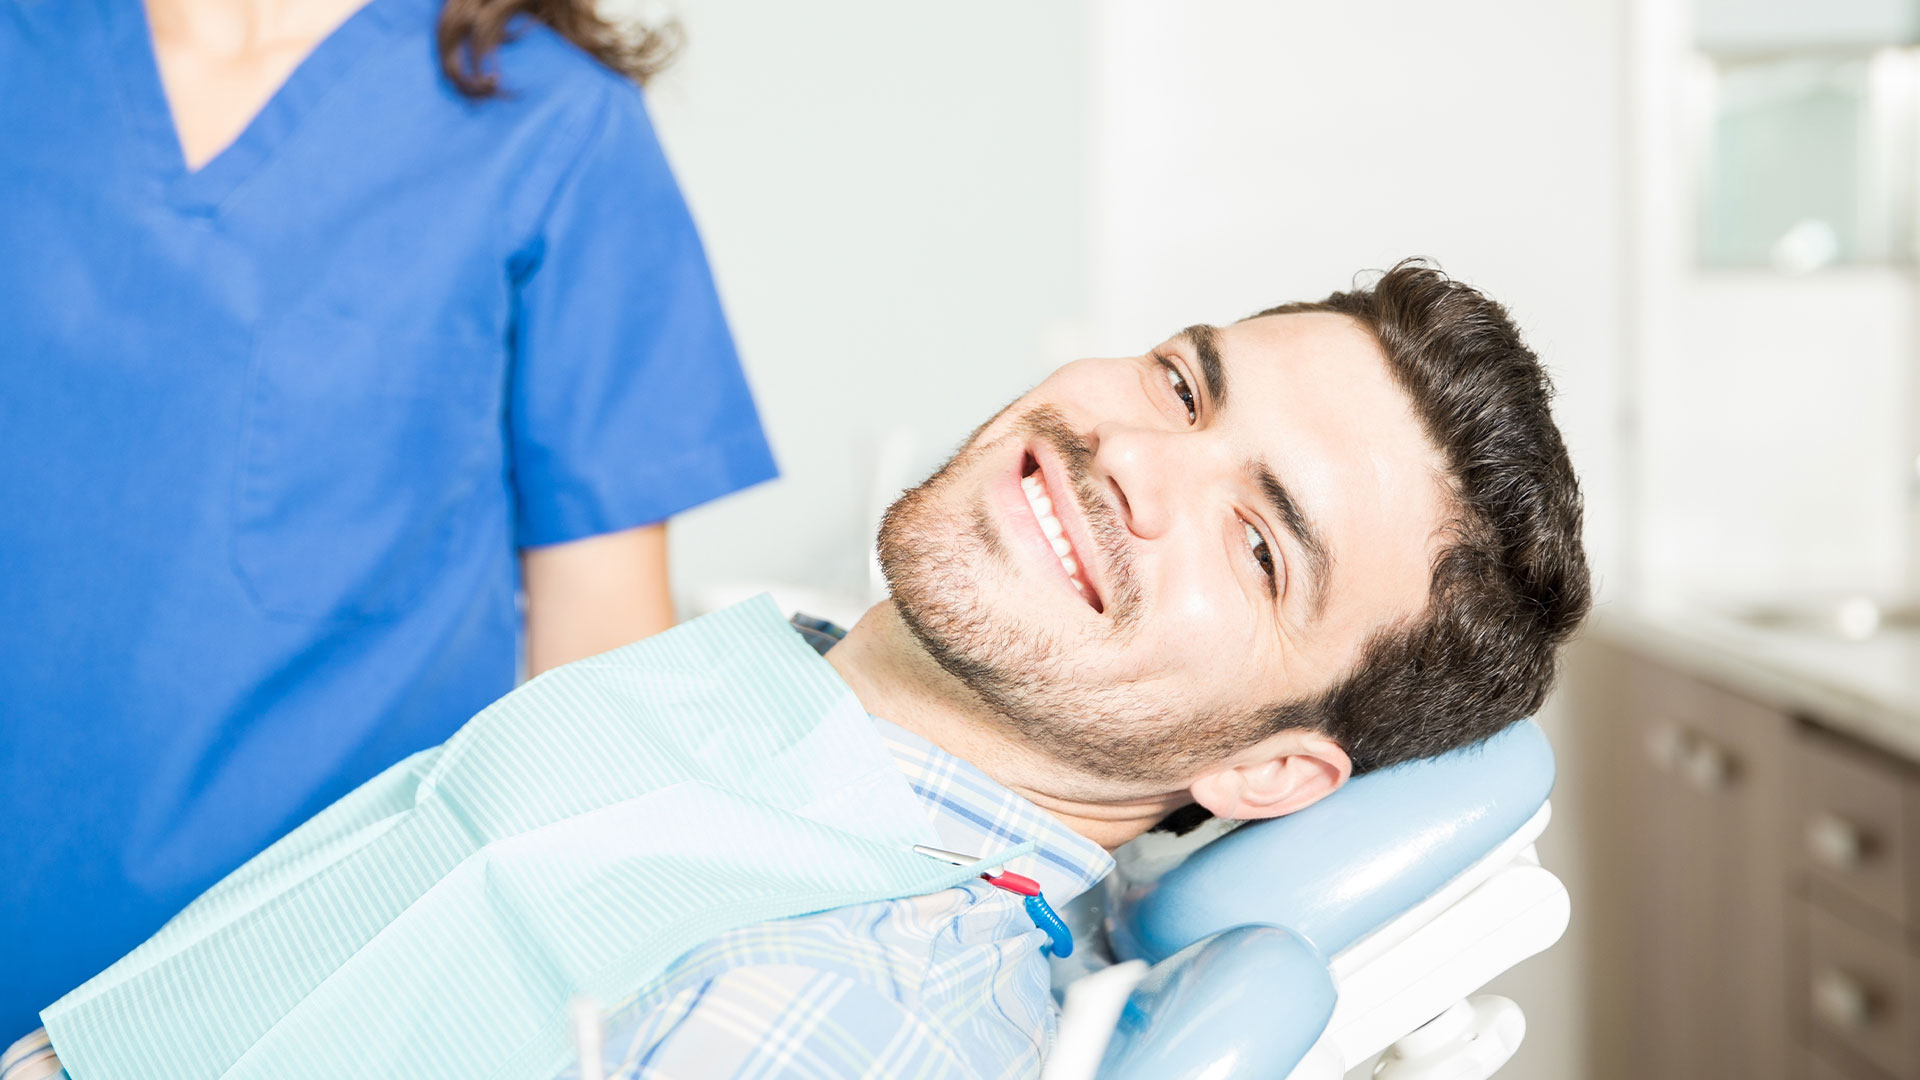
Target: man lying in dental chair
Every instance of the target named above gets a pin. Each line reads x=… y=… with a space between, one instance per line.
x=1215 y=579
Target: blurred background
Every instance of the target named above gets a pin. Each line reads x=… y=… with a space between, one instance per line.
x=1702 y=213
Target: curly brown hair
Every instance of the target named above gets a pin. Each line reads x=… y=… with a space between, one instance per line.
x=471 y=30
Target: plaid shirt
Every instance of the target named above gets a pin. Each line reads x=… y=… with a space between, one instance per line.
x=950 y=985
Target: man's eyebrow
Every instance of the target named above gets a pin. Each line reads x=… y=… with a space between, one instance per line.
x=1206 y=345
x=1319 y=560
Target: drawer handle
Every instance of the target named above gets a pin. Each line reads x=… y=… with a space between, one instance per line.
x=1666 y=747
x=1708 y=767
x=1836 y=842
x=1841 y=1001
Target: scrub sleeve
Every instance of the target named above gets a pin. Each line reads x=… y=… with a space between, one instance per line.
x=627 y=402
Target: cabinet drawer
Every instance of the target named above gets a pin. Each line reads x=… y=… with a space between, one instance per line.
x=1858 y=993
x=1850 y=827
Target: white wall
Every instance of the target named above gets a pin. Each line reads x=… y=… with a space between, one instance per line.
x=890 y=196
x=1249 y=153
x=914 y=212
x=1775 y=438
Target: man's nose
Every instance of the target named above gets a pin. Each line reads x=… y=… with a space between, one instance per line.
x=1149 y=473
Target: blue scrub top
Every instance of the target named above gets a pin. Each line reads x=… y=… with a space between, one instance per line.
x=273 y=432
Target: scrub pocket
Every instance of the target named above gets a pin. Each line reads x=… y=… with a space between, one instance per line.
x=365 y=457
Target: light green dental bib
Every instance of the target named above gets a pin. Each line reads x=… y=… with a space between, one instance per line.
x=574 y=838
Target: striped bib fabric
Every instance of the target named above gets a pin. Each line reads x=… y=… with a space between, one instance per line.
x=572 y=839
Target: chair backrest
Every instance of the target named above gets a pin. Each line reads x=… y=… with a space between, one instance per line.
x=1347 y=865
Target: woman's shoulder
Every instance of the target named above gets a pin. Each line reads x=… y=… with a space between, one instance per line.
x=559 y=110
x=539 y=64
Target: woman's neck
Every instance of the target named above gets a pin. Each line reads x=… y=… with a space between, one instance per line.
x=221 y=61
x=229 y=27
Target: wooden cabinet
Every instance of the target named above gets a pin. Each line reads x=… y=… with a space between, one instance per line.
x=1705 y=809
x=1856 y=968
x=1855 y=998
x=1768 y=872
x=1852 y=845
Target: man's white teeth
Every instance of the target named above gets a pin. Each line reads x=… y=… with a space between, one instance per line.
x=1036 y=493
x=1050 y=525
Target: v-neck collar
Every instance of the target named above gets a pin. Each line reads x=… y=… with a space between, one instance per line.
x=130 y=52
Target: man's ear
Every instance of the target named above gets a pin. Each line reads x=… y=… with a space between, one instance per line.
x=1280 y=774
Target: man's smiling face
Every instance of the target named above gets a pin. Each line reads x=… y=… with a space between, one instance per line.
x=1142 y=556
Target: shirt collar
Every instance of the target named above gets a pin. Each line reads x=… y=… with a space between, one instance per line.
x=974 y=815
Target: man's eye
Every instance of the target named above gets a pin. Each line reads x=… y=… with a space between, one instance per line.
x=1180 y=387
x=1262 y=554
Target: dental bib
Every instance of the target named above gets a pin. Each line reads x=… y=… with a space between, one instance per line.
x=572 y=839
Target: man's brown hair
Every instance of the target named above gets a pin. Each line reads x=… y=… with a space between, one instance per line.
x=1510 y=583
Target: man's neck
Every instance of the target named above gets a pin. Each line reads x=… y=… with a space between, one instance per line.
x=893 y=677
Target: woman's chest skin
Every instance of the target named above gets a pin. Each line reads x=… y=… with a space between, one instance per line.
x=221 y=61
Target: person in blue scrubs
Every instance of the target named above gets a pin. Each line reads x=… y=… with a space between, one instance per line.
x=307 y=363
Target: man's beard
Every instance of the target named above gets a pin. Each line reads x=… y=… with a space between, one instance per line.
x=936 y=558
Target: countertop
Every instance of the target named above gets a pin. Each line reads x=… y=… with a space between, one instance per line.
x=1869 y=689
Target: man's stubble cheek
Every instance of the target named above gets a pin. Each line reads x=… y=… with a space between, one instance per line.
x=957 y=590
x=940 y=563
x=1055 y=696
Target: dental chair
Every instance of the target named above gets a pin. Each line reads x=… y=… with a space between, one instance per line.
x=1303 y=946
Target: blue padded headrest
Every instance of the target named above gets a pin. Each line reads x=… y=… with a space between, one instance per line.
x=1351 y=862
x=1209 y=1010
